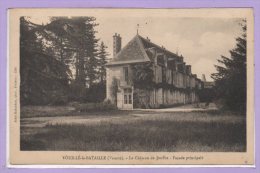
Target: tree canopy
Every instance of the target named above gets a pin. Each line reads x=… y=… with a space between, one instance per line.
x=64 y=51
x=230 y=78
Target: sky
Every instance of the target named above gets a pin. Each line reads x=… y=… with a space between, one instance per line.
x=201 y=40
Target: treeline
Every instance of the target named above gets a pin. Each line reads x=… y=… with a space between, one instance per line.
x=61 y=61
x=231 y=79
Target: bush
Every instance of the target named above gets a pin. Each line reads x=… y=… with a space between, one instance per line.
x=206 y=95
x=88 y=107
x=96 y=93
x=58 y=98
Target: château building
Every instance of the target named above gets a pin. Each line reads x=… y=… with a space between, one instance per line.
x=171 y=79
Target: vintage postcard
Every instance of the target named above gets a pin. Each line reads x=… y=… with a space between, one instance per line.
x=131 y=86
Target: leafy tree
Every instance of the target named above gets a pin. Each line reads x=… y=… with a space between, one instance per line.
x=114 y=89
x=58 y=39
x=73 y=40
x=102 y=60
x=96 y=93
x=91 y=51
x=62 y=47
x=231 y=78
x=78 y=33
x=43 y=78
x=28 y=37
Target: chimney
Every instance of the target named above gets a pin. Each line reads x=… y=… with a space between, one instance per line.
x=203 y=78
x=181 y=58
x=116 y=44
x=188 y=69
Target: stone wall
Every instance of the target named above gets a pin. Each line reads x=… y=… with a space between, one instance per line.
x=112 y=72
x=160 y=97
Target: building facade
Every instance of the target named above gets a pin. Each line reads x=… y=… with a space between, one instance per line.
x=167 y=80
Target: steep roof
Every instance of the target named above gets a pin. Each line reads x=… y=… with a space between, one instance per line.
x=135 y=51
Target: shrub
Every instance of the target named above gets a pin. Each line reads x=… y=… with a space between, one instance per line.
x=103 y=106
x=73 y=104
x=96 y=93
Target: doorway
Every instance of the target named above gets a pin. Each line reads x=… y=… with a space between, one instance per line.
x=128 y=98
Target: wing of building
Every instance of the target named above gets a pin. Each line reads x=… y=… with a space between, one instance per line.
x=172 y=82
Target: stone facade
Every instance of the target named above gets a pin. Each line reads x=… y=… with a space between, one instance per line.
x=173 y=81
x=157 y=98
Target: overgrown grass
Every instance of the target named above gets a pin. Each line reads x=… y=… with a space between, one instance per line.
x=46 y=111
x=205 y=133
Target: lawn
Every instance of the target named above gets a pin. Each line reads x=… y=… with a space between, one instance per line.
x=211 y=131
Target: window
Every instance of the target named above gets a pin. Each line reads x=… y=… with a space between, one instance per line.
x=128 y=96
x=160 y=59
x=125 y=69
x=130 y=99
x=125 y=99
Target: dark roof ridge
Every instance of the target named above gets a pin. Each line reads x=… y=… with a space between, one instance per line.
x=156 y=45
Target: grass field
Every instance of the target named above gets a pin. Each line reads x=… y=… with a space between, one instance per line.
x=211 y=131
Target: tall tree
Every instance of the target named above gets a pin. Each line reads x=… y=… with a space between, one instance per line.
x=71 y=41
x=102 y=60
x=74 y=42
x=142 y=75
x=59 y=40
x=28 y=37
x=43 y=78
x=231 y=78
x=91 y=51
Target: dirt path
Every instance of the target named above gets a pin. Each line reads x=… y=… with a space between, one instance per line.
x=186 y=108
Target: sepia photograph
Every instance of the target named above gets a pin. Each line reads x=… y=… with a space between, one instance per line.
x=140 y=85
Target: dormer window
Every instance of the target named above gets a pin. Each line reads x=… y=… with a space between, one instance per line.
x=160 y=59
x=172 y=65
